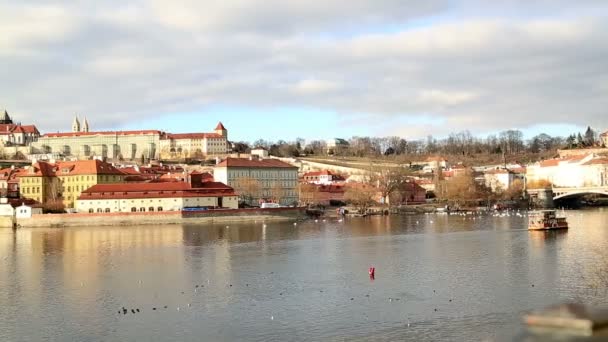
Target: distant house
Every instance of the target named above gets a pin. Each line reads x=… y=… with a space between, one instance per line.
x=322 y=177
x=26 y=211
x=336 y=145
x=604 y=138
x=501 y=179
x=434 y=163
x=260 y=152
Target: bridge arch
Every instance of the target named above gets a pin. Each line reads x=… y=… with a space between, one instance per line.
x=579 y=193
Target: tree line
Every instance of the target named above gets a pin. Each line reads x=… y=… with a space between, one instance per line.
x=505 y=143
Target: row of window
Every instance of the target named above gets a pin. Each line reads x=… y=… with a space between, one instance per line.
x=133 y=209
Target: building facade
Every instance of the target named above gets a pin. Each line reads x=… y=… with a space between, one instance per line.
x=16 y=134
x=574 y=171
x=336 y=145
x=61 y=183
x=131 y=145
x=155 y=197
x=259 y=180
x=195 y=145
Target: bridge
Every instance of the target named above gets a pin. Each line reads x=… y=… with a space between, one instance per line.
x=559 y=193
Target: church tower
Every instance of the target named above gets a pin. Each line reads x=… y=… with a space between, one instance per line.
x=5 y=119
x=85 y=125
x=221 y=130
x=76 y=124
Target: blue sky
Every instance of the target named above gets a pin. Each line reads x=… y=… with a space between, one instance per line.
x=279 y=69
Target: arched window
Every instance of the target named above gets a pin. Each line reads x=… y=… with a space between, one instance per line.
x=99 y=210
x=133 y=209
x=107 y=210
x=159 y=209
x=151 y=209
x=142 y=209
x=91 y=210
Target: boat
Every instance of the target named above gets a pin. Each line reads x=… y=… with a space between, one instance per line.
x=546 y=220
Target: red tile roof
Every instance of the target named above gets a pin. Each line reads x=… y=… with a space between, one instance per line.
x=220 y=126
x=178 y=136
x=318 y=173
x=155 y=190
x=71 y=168
x=78 y=134
x=13 y=128
x=254 y=163
x=598 y=161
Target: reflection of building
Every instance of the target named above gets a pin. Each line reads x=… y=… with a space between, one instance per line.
x=155 y=197
x=64 y=181
x=265 y=179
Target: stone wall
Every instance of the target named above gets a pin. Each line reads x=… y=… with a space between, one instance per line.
x=156 y=218
x=581 y=151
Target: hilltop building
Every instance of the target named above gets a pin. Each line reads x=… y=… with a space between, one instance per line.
x=336 y=145
x=259 y=180
x=16 y=134
x=82 y=143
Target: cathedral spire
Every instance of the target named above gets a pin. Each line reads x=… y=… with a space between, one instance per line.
x=85 y=125
x=5 y=118
x=76 y=124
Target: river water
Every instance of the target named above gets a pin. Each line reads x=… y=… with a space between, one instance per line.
x=438 y=277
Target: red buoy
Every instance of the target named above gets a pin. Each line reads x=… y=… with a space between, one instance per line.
x=372 y=272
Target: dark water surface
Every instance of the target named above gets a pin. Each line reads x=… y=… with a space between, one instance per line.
x=438 y=277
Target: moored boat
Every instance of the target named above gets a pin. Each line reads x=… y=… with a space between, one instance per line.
x=546 y=220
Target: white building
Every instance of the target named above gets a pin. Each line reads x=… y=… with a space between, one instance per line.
x=260 y=152
x=501 y=179
x=324 y=177
x=336 y=145
x=155 y=197
x=268 y=175
x=25 y=211
x=16 y=134
x=573 y=171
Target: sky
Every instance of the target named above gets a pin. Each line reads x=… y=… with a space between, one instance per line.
x=276 y=69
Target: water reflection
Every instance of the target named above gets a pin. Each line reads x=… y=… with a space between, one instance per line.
x=479 y=272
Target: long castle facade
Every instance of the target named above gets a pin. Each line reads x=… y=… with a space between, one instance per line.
x=81 y=143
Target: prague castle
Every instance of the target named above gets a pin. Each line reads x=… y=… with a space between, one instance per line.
x=82 y=143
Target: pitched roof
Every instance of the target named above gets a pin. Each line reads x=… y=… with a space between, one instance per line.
x=254 y=163
x=220 y=126
x=71 y=168
x=78 y=134
x=155 y=190
x=193 y=136
x=318 y=173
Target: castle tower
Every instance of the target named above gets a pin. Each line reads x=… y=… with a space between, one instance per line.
x=5 y=119
x=76 y=124
x=85 y=125
x=221 y=130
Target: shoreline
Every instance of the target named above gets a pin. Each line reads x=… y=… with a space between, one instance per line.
x=156 y=218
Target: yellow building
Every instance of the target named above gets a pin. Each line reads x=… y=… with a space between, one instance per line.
x=62 y=182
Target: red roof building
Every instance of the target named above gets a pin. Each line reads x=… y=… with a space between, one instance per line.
x=155 y=197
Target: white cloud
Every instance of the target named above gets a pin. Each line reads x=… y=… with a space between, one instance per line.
x=482 y=67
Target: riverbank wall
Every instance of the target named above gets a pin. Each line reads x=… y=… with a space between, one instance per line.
x=154 y=218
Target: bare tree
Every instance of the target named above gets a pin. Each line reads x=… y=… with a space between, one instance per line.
x=248 y=189
x=361 y=196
